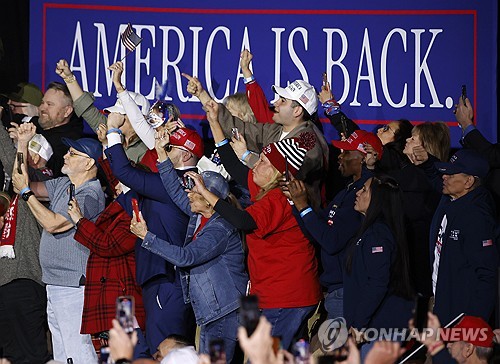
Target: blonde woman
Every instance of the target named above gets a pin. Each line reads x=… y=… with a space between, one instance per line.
x=281 y=260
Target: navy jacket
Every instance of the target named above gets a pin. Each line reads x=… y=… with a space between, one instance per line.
x=333 y=228
x=467 y=275
x=213 y=273
x=163 y=217
x=368 y=300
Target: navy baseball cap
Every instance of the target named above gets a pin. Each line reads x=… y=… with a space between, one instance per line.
x=465 y=161
x=215 y=183
x=88 y=146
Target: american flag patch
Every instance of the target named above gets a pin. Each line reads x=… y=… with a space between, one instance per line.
x=377 y=249
x=488 y=242
x=304 y=99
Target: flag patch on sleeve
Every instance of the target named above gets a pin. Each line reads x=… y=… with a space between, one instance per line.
x=377 y=249
x=488 y=242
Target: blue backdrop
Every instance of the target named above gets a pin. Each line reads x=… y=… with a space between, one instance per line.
x=398 y=60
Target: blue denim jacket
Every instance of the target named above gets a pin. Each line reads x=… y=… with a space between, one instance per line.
x=213 y=273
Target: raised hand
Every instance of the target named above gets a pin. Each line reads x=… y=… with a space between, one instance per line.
x=464 y=113
x=62 y=69
x=117 y=69
x=245 y=59
x=212 y=109
x=74 y=211
x=298 y=194
x=115 y=120
x=138 y=228
x=239 y=146
x=325 y=93
x=194 y=86
x=25 y=132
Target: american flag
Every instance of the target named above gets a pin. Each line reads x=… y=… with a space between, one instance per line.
x=377 y=249
x=129 y=39
x=488 y=242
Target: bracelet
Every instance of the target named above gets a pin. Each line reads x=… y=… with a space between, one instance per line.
x=437 y=345
x=24 y=190
x=70 y=79
x=114 y=130
x=221 y=143
x=305 y=211
x=245 y=155
x=249 y=79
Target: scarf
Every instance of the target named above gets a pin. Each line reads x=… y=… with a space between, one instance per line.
x=8 y=236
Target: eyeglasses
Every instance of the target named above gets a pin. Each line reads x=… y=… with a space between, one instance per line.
x=386 y=128
x=168 y=148
x=72 y=154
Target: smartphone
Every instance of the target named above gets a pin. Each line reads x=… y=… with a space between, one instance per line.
x=125 y=311
x=464 y=93
x=188 y=182
x=325 y=79
x=249 y=313
x=420 y=312
x=20 y=160
x=217 y=351
x=235 y=133
x=71 y=192
x=287 y=173
x=135 y=207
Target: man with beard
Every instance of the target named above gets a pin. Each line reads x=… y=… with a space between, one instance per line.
x=56 y=120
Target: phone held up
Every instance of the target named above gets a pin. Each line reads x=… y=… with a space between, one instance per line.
x=249 y=313
x=188 y=182
x=20 y=160
x=217 y=351
x=464 y=94
x=125 y=311
x=235 y=133
x=420 y=312
x=71 y=192
x=135 y=207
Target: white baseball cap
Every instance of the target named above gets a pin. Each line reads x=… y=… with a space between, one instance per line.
x=39 y=145
x=139 y=99
x=302 y=92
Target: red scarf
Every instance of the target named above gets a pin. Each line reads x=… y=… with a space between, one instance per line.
x=8 y=236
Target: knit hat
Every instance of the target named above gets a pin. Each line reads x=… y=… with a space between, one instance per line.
x=27 y=92
x=139 y=99
x=189 y=139
x=302 y=92
x=292 y=151
x=356 y=141
x=39 y=145
x=473 y=330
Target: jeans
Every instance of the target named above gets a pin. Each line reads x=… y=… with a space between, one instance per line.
x=64 y=312
x=225 y=328
x=286 y=322
x=334 y=303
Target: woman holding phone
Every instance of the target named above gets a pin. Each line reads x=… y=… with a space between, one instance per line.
x=211 y=262
x=281 y=260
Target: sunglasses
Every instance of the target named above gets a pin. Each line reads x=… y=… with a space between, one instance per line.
x=168 y=148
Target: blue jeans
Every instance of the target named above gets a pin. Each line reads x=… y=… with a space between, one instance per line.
x=225 y=328
x=64 y=313
x=334 y=303
x=286 y=322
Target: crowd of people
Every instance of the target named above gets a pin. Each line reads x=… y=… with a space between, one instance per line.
x=143 y=209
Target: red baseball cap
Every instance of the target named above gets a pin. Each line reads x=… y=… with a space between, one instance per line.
x=189 y=139
x=356 y=141
x=473 y=330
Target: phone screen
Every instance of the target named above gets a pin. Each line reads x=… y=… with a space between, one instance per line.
x=464 y=93
x=71 y=192
x=125 y=311
x=20 y=160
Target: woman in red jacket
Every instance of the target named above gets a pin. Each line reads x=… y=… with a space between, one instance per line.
x=281 y=260
x=110 y=267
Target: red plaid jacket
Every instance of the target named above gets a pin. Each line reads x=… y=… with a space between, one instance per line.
x=110 y=268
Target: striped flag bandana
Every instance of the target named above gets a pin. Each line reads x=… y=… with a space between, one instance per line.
x=291 y=150
x=129 y=39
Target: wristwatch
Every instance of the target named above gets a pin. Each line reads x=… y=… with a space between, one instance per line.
x=26 y=196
